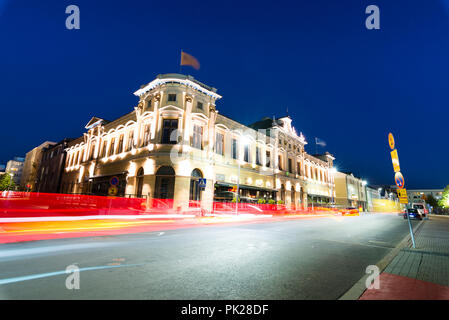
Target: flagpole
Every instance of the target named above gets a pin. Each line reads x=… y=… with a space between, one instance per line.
x=180 y=62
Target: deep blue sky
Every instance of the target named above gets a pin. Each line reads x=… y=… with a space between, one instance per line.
x=345 y=84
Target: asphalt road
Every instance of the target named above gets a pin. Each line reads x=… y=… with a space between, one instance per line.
x=318 y=258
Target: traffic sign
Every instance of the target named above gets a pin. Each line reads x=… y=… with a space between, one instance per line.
x=403 y=200
x=391 y=140
x=202 y=183
x=399 y=179
x=402 y=193
x=114 y=181
x=112 y=191
x=395 y=160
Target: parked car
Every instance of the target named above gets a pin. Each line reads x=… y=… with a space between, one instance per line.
x=413 y=213
x=421 y=206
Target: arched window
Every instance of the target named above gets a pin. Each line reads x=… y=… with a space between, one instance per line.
x=139 y=186
x=195 y=192
x=165 y=183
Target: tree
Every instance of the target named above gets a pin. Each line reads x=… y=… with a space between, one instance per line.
x=6 y=182
x=432 y=201
x=444 y=201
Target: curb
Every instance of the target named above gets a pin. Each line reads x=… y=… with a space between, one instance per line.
x=356 y=291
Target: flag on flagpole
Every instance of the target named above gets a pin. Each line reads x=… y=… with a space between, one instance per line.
x=320 y=142
x=189 y=60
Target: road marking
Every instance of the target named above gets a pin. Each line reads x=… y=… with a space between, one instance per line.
x=23 y=252
x=57 y=273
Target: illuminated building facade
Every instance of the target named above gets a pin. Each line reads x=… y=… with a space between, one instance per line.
x=350 y=191
x=15 y=167
x=175 y=136
x=31 y=166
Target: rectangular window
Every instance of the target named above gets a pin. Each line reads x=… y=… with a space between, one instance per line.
x=298 y=168
x=111 y=147
x=199 y=105
x=103 y=150
x=146 y=135
x=280 y=163
x=290 y=167
x=120 y=144
x=197 y=137
x=168 y=127
x=234 y=149
x=267 y=160
x=258 y=156
x=246 y=154
x=172 y=97
x=92 y=151
x=130 y=140
x=219 y=141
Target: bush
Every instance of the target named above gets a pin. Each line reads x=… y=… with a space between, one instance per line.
x=280 y=202
x=261 y=201
x=271 y=201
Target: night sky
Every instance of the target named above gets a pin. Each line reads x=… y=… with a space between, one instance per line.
x=342 y=83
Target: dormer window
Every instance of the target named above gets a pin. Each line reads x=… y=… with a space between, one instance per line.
x=199 y=106
x=172 y=97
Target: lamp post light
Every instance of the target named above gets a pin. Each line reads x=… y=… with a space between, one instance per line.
x=364 y=184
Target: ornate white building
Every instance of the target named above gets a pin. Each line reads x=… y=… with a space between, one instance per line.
x=176 y=136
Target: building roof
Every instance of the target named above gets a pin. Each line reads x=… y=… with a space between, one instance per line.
x=186 y=80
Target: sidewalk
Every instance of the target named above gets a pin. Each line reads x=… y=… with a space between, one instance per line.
x=421 y=273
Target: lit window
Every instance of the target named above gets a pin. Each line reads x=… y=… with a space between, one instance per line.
x=130 y=140
x=234 y=149
x=268 y=162
x=111 y=147
x=246 y=154
x=219 y=141
x=146 y=135
x=168 y=127
x=197 y=137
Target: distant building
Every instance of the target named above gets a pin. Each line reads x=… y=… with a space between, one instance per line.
x=372 y=193
x=49 y=173
x=15 y=166
x=31 y=165
x=2 y=168
x=416 y=195
x=350 y=190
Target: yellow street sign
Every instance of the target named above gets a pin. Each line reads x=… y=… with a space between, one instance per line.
x=395 y=160
x=402 y=193
x=112 y=191
x=391 y=140
x=403 y=200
